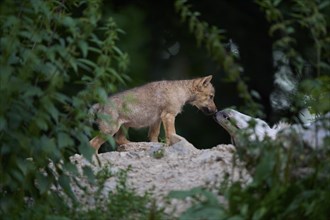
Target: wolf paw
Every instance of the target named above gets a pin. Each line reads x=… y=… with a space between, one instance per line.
x=174 y=138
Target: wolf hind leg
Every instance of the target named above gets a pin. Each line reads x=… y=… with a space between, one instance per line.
x=154 y=131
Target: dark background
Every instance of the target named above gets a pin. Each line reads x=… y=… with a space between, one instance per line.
x=161 y=47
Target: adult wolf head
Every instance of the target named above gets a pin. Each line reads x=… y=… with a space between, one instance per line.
x=234 y=121
x=203 y=96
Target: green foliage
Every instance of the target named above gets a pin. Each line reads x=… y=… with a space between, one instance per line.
x=122 y=203
x=207 y=205
x=158 y=153
x=318 y=97
x=288 y=181
x=212 y=38
x=310 y=18
x=56 y=59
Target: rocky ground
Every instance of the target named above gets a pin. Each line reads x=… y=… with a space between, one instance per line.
x=159 y=169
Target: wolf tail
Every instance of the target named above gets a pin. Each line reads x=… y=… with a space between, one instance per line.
x=92 y=113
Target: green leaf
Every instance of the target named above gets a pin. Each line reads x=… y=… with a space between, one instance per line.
x=118 y=51
x=277 y=2
x=64 y=182
x=115 y=73
x=48 y=145
x=74 y=64
x=43 y=182
x=236 y=217
x=87 y=62
x=207 y=213
x=41 y=123
x=259 y=213
x=50 y=108
x=83 y=45
x=33 y=91
x=57 y=217
x=68 y=21
x=88 y=172
x=61 y=97
x=265 y=167
x=23 y=165
x=96 y=50
x=87 y=151
x=64 y=140
x=323 y=5
x=71 y=168
x=186 y=193
x=102 y=94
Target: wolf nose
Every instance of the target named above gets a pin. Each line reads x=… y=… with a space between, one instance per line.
x=223 y=115
x=208 y=111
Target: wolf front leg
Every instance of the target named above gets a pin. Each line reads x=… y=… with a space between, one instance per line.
x=154 y=130
x=120 y=136
x=96 y=142
x=168 y=120
x=106 y=128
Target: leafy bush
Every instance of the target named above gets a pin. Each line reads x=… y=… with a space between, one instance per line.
x=122 y=203
x=56 y=59
x=309 y=63
x=287 y=183
x=277 y=190
x=206 y=206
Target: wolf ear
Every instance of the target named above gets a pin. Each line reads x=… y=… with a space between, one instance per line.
x=206 y=80
x=199 y=83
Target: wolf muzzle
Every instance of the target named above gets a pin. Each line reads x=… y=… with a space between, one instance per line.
x=208 y=111
x=221 y=115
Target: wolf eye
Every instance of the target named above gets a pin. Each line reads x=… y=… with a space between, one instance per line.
x=211 y=96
